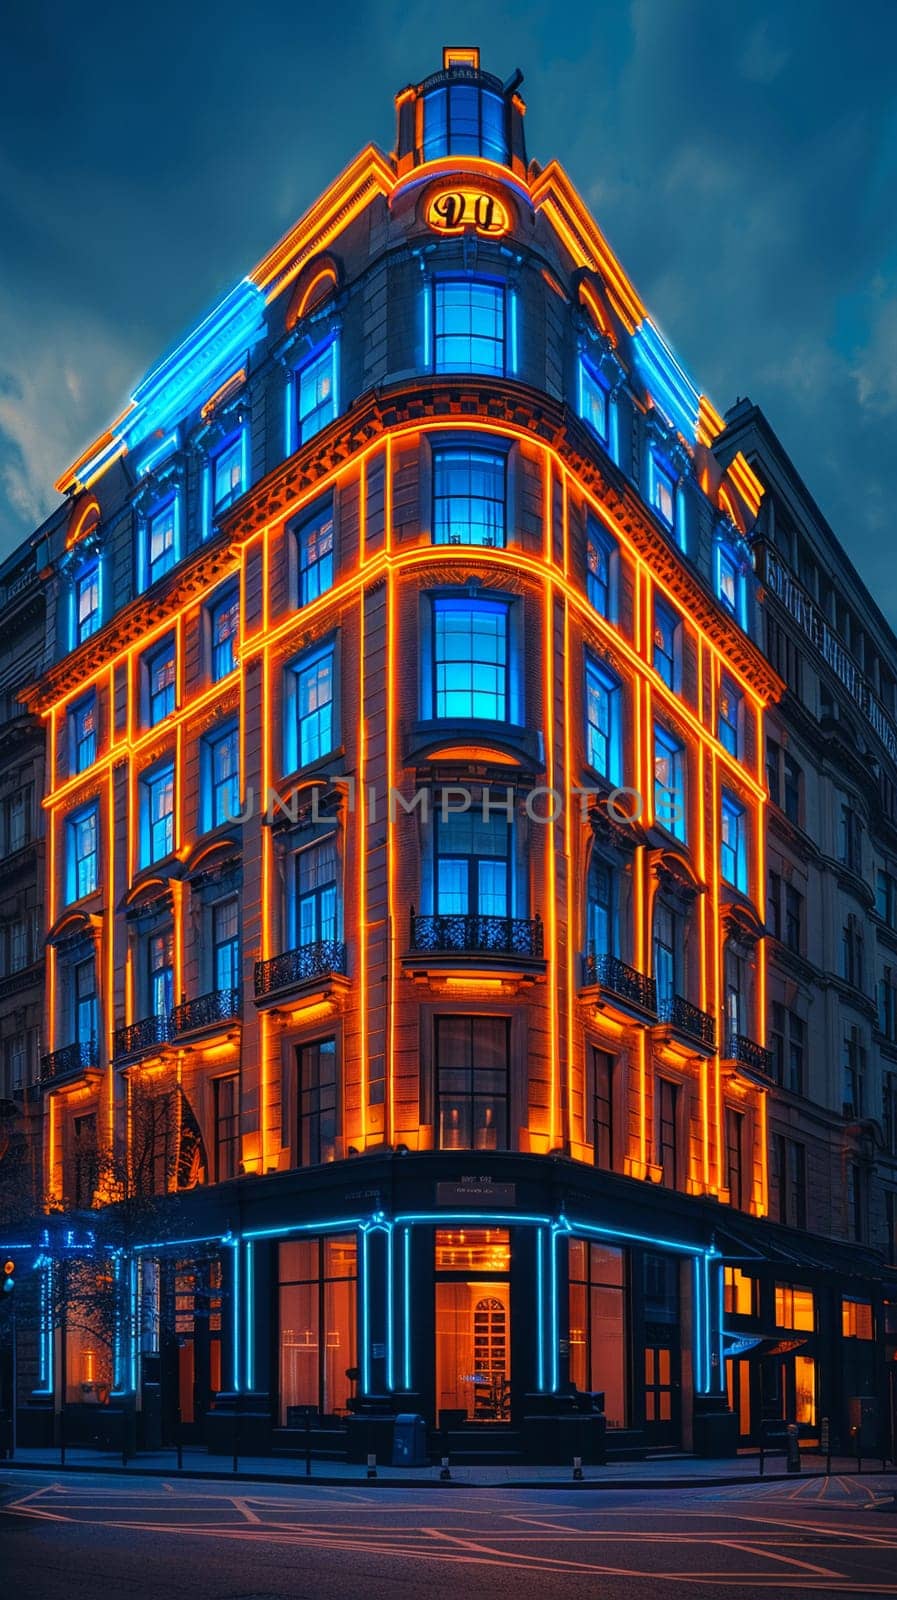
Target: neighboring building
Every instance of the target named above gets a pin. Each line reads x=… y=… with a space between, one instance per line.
x=22 y=748
x=831 y=772
x=455 y=1051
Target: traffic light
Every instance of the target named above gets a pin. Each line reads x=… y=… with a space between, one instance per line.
x=9 y=1276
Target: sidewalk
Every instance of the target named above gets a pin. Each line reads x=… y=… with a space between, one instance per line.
x=668 y=1472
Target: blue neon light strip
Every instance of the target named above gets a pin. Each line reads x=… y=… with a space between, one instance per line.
x=250 y=1309
x=390 y=1313
x=553 y=1312
x=189 y=374
x=406 y=1275
x=666 y=381
x=365 y=1317
x=572 y=1225
x=235 y=1311
x=306 y=1227
x=540 y=1310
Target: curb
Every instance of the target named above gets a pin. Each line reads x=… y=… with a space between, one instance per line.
x=324 y=1481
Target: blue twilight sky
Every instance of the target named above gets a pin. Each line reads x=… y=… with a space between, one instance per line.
x=741 y=157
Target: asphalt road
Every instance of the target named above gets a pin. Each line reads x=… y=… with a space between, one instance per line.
x=151 y=1539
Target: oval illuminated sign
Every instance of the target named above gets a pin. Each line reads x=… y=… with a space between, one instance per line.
x=453 y=210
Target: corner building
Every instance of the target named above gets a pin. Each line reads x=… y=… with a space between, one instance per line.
x=405 y=822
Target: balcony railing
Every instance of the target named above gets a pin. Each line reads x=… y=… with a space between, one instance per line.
x=191 y=1016
x=749 y=1054
x=477 y=935
x=620 y=979
x=139 y=1037
x=69 y=1062
x=309 y=961
x=689 y=1019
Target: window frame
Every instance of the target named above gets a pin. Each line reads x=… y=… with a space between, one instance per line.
x=597 y=675
x=441 y=459
x=674 y=750
x=152 y=778
x=327 y=350
x=148 y=567
x=501 y=310
x=315 y=518
x=87 y=704
x=86 y=813
x=590 y=381
x=295 y=759
x=221 y=605
x=738 y=812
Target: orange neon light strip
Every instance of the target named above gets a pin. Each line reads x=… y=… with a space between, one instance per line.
x=550 y=842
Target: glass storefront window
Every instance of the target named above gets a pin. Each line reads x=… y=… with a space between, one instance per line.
x=795 y=1308
x=473 y=1323
x=805 y=1390
x=856 y=1319
x=598 y=1325
x=473 y=1250
x=740 y=1293
x=318 y=1343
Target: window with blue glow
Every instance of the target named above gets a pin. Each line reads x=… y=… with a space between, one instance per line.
x=160 y=972
x=160 y=668
x=157 y=814
x=602 y=568
x=316 y=392
x=314 y=541
x=221 y=753
x=593 y=400
x=665 y=953
x=729 y=708
x=603 y=717
x=83 y=733
x=470 y=658
x=665 y=642
x=663 y=492
x=468 y=496
x=669 y=783
x=160 y=541
x=224 y=619
x=733 y=842
x=226 y=943
x=83 y=852
x=315 y=909
x=85 y=1009
x=469 y=326
x=86 y=620
x=226 y=470
x=601 y=912
x=473 y=864
x=730 y=582
x=310 y=723
x=463 y=119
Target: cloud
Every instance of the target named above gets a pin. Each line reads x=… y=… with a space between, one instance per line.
x=761 y=60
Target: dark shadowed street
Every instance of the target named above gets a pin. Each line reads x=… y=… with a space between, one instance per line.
x=144 y=1538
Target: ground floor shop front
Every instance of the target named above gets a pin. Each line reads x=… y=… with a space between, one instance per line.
x=495 y=1297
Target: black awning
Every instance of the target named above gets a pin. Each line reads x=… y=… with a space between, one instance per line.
x=762 y=1241
x=758 y=1344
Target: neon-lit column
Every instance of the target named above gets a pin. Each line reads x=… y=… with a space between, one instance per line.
x=377 y=1306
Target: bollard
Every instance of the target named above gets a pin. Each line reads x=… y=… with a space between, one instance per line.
x=372 y=1465
x=180 y=1456
x=577 y=1469
x=445 y=1475
x=857 y=1442
x=793 y=1448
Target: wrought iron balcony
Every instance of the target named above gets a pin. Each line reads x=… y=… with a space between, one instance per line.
x=138 y=1037
x=477 y=935
x=69 y=1062
x=749 y=1054
x=294 y=967
x=624 y=981
x=206 y=1011
x=689 y=1019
